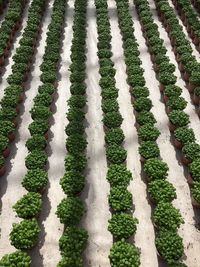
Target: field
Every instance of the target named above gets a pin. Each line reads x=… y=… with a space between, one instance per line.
x=100 y=133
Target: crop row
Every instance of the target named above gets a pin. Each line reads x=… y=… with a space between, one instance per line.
x=24 y=235
x=184 y=137
x=161 y=192
x=71 y=209
x=122 y=224
x=14 y=93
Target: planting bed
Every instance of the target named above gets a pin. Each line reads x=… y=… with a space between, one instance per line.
x=100 y=133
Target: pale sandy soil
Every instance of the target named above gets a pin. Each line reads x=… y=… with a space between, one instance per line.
x=6 y=69
x=144 y=238
x=11 y=184
x=97 y=187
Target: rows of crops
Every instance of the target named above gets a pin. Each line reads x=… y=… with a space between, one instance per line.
x=99 y=133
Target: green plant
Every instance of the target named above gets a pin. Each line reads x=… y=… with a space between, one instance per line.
x=176 y=103
x=120 y=199
x=172 y=90
x=24 y=235
x=78 y=89
x=191 y=151
x=145 y=117
x=46 y=88
x=148 y=132
x=75 y=162
x=35 y=180
x=114 y=136
x=178 y=118
x=72 y=182
x=109 y=93
x=107 y=71
x=40 y=112
x=122 y=225
x=118 y=175
x=195 y=170
x=37 y=141
x=170 y=245
x=36 y=159
x=70 y=211
x=123 y=254
x=184 y=135
x=16 y=259
x=38 y=126
x=196 y=191
x=166 y=216
x=116 y=154
x=142 y=104
x=194 y=78
x=156 y=169
x=167 y=67
x=43 y=99
x=110 y=105
x=73 y=241
x=112 y=119
x=74 y=127
x=28 y=206
x=107 y=82
x=161 y=191
x=15 y=78
x=77 y=101
x=4 y=141
x=76 y=144
x=19 y=67
x=136 y=80
x=8 y=113
x=75 y=114
x=140 y=91
x=167 y=78
x=72 y=260
x=149 y=149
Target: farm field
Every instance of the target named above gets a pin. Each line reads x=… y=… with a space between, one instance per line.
x=100 y=133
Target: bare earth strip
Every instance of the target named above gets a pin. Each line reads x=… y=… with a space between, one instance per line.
x=144 y=238
x=57 y=152
x=97 y=187
x=11 y=187
x=6 y=69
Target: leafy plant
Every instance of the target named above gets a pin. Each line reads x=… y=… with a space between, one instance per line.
x=24 y=235
x=29 y=205
x=72 y=182
x=17 y=258
x=194 y=78
x=37 y=141
x=75 y=114
x=184 y=135
x=46 y=88
x=167 y=78
x=78 y=89
x=176 y=103
x=4 y=141
x=76 y=144
x=114 y=136
x=156 y=169
x=145 y=117
x=75 y=162
x=122 y=225
x=196 y=191
x=40 y=112
x=72 y=260
x=110 y=105
x=170 y=245
x=109 y=93
x=15 y=78
x=140 y=91
x=118 y=175
x=35 y=180
x=120 y=199
x=77 y=101
x=36 y=159
x=148 y=132
x=74 y=127
x=70 y=211
x=142 y=104
x=179 y=118
x=149 y=149
x=172 y=90
x=112 y=119
x=195 y=170
x=161 y=191
x=38 y=126
x=73 y=241
x=167 y=67
x=116 y=154
x=43 y=99
x=123 y=254
x=191 y=151
x=166 y=216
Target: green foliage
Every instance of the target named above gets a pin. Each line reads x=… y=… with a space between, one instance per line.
x=24 y=235
x=156 y=169
x=123 y=254
x=191 y=151
x=16 y=259
x=29 y=205
x=148 y=132
x=118 y=175
x=37 y=141
x=122 y=225
x=72 y=182
x=149 y=149
x=114 y=136
x=36 y=159
x=195 y=170
x=120 y=199
x=112 y=119
x=179 y=118
x=142 y=104
x=76 y=144
x=145 y=117
x=116 y=154
x=161 y=191
x=184 y=135
x=35 y=180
